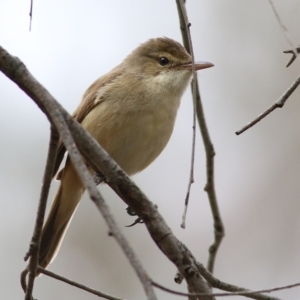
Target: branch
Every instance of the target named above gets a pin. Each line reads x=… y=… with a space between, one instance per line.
x=78 y=285
x=209 y=148
x=184 y=25
x=36 y=237
x=285 y=96
x=216 y=283
x=285 y=32
x=30 y=14
x=278 y=104
x=243 y=292
x=98 y=158
x=235 y=290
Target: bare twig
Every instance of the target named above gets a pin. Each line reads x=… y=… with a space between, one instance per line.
x=246 y=293
x=294 y=53
x=30 y=14
x=98 y=159
x=36 y=237
x=78 y=285
x=216 y=283
x=278 y=104
x=209 y=149
x=285 y=32
x=184 y=25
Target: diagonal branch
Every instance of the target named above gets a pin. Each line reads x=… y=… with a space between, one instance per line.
x=76 y=284
x=278 y=104
x=209 y=148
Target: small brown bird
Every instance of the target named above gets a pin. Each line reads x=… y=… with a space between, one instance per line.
x=131 y=112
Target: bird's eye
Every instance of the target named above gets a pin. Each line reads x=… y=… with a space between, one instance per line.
x=163 y=61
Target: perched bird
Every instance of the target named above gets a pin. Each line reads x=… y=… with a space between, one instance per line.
x=131 y=112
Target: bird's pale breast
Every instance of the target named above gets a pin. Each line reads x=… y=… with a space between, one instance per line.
x=133 y=138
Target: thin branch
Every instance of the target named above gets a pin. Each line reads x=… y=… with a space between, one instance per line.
x=284 y=30
x=30 y=14
x=137 y=266
x=184 y=25
x=209 y=149
x=33 y=251
x=246 y=293
x=278 y=104
x=100 y=161
x=191 y=177
x=78 y=285
x=216 y=283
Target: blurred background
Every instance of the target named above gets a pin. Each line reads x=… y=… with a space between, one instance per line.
x=257 y=174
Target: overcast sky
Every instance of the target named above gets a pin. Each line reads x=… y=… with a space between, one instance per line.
x=257 y=174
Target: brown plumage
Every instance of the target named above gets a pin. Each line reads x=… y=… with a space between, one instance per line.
x=131 y=112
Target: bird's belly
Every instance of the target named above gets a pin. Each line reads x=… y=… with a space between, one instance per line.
x=133 y=139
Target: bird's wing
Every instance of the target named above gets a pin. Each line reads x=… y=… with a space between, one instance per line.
x=91 y=98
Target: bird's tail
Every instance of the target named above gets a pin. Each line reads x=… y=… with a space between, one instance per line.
x=60 y=215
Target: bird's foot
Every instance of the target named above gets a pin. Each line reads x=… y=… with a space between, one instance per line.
x=133 y=213
x=99 y=178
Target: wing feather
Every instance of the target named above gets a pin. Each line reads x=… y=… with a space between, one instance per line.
x=91 y=98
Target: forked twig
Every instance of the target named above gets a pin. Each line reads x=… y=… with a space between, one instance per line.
x=294 y=53
x=209 y=149
x=278 y=104
x=285 y=32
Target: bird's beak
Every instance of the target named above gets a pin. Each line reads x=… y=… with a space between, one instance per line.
x=199 y=65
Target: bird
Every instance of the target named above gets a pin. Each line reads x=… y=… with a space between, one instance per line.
x=131 y=112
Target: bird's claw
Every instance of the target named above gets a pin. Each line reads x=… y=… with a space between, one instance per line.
x=132 y=213
x=137 y=221
x=99 y=178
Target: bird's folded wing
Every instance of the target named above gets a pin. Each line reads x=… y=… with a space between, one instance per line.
x=91 y=98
